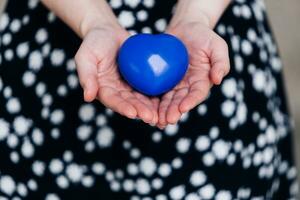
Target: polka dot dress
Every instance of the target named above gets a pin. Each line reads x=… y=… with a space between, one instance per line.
x=54 y=146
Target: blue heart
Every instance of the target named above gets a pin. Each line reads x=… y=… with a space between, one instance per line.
x=153 y=64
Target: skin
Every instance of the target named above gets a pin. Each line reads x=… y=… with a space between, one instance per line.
x=192 y=22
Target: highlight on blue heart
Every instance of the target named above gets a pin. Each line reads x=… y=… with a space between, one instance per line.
x=153 y=64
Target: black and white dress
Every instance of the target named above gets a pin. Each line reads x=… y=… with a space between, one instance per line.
x=54 y=146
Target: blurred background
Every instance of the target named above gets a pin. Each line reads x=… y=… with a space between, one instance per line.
x=284 y=17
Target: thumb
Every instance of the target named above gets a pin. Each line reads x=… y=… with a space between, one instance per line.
x=219 y=59
x=87 y=72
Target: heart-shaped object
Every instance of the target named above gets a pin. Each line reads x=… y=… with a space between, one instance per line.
x=153 y=64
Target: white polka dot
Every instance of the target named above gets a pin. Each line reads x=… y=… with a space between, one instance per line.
x=46 y=50
x=62 y=90
x=142 y=186
x=146 y=30
x=88 y=181
x=177 y=193
x=238 y=63
x=52 y=196
x=37 y=136
x=132 y=3
x=157 y=183
x=164 y=170
x=241 y=113
x=89 y=146
x=135 y=153
x=156 y=136
x=22 y=190
x=57 y=116
x=98 y=168
x=229 y=88
x=27 y=149
x=208 y=159
x=56 y=166
x=84 y=132
x=246 y=47
x=74 y=172
x=228 y=107
x=223 y=195
x=105 y=137
x=192 y=196
x=126 y=19
x=12 y=140
x=245 y=11
x=6 y=38
x=161 y=25
x=14 y=157
x=72 y=81
x=115 y=3
x=40 y=90
x=132 y=169
x=202 y=143
x=4 y=21
x=207 y=192
x=171 y=129
x=197 y=178
x=148 y=166
x=86 y=112
x=55 y=133
x=7 y=92
x=21 y=125
x=38 y=168
x=57 y=57
x=128 y=185
x=101 y=120
x=41 y=35
x=62 y=182
x=161 y=197
x=259 y=80
x=149 y=3
x=4 y=129
x=35 y=60
x=22 y=49
x=142 y=15
x=15 y=25
x=220 y=148
x=7 y=185
x=177 y=163
x=13 y=105
x=9 y=54
x=28 y=78
x=32 y=185
x=68 y=156
x=183 y=145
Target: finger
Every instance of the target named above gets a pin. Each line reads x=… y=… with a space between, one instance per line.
x=173 y=112
x=197 y=93
x=143 y=111
x=164 y=104
x=147 y=101
x=155 y=101
x=112 y=99
x=87 y=73
x=219 y=59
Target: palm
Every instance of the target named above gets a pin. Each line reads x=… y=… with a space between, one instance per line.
x=100 y=77
x=126 y=101
x=194 y=88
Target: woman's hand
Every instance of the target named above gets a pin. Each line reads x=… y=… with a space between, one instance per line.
x=209 y=63
x=100 y=78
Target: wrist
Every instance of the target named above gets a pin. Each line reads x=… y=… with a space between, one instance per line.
x=200 y=11
x=95 y=21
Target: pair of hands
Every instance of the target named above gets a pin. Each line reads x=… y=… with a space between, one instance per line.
x=100 y=78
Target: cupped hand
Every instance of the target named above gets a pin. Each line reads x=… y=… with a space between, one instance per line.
x=208 y=64
x=100 y=78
